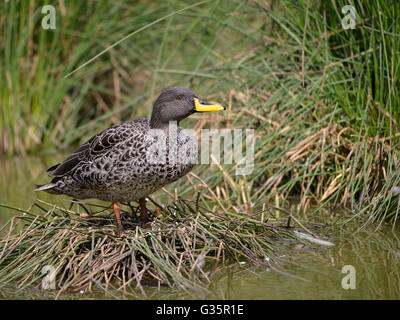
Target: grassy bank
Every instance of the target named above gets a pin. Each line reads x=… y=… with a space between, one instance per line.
x=323 y=100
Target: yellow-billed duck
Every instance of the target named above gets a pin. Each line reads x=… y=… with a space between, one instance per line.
x=132 y=159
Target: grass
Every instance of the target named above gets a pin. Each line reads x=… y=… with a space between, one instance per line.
x=184 y=248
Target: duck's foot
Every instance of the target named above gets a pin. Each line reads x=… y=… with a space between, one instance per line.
x=123 y=234
x=147 y=224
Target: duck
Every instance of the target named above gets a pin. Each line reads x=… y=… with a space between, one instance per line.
x=131 y=160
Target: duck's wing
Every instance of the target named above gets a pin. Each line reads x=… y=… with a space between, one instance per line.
x=68 y=164
x=95 y=147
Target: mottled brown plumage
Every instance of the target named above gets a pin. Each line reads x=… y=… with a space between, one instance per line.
x=133 y=159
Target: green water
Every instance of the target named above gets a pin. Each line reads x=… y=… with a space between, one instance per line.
x=310 y=271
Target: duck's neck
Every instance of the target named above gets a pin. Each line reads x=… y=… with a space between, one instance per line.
x=171 y=129
x=157 y=124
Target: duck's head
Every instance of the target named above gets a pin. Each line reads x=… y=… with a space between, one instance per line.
x=177 y=103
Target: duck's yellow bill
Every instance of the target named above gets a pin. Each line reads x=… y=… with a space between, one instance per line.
x=201 y=106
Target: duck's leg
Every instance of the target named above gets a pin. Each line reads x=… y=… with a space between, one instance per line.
x=117 y=212
x=143 y=210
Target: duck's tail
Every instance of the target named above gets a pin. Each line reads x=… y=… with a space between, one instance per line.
x=45 y=187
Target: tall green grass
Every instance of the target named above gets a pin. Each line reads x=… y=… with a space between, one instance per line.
x=323 y=100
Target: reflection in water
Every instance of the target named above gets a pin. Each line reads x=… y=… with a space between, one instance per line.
x=315 y=272
x=17 y=183
x=311 y=271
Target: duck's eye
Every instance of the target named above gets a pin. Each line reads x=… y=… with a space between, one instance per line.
x=179 y=97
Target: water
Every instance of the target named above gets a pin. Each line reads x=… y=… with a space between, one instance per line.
x=310 y=271
x=315 y=272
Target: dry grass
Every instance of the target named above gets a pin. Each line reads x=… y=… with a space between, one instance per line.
x=184 y=248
